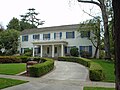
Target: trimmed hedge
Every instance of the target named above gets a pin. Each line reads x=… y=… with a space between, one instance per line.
x=9 y=59
x=95 y=70
x=41 y=68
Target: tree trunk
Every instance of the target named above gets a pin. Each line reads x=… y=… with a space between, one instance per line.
x=116 y=9
x=106 y=32
x=96 y=50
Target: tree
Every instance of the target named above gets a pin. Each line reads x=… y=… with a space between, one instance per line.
x=9 y=41
x=31 y=18
x=102 y=5
x=1 y=27
x=92 y=25
x=116 y=9
x=14 y=24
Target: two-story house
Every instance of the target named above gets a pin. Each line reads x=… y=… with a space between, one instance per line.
x=55 y=41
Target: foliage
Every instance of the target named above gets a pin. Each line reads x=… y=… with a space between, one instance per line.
x=14 y=24
x=30 y=17
x=95 y=70
x=85 y=54
x=9 y=41
x=98 y=88
x=5 y=82
x=74 y=51
x=28 y=52
x=12 y=68
x=24 y=59
x=41 y=68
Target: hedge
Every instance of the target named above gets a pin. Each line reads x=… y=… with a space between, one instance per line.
x=41 y=68
x=9 y=59
x=95 y=70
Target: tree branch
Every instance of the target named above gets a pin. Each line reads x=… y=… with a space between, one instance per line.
x=93 y=2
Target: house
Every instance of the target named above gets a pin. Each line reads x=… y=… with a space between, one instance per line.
x=56 y=41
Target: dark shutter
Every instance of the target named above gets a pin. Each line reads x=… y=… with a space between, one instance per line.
x=90 y=50
x=60 y=35
x=54 y=35
x=73 y=36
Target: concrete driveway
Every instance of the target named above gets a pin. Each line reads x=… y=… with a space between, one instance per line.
x=65 y=76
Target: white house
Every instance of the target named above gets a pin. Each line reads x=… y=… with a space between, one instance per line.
x=55 y=41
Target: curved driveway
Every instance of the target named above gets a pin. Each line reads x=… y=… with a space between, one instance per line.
x=65 y=76
x=68 y=71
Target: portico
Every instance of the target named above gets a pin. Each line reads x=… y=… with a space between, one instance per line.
x=49 y=49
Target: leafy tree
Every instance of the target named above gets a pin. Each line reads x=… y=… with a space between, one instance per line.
x=9 y=41
x=1 y=27
x=74 y=51
x=102 y=4
x=14 y=24
x=31 y=18
x=116 y=9
x=92 y=25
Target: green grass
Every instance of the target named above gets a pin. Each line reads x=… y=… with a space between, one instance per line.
x=4 y=82
x=12 y=69
x=108 y=68
x=97 y=88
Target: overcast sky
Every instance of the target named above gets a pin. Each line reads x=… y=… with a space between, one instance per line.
x=53 y=12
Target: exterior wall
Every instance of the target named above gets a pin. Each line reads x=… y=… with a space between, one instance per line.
x=77 y=41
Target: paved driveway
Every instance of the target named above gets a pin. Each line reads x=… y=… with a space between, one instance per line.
x=65 y=76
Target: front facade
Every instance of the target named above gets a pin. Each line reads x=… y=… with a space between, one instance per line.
x=55 y=41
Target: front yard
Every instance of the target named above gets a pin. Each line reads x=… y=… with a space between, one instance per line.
x=4 y=82
x=97 y=88
x=12 y=68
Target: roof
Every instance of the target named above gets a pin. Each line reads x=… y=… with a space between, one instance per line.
x=53 y=28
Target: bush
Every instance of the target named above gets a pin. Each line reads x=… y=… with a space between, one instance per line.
x=74 y=52
x=41 y=68
x=95 y=70
x=9 y=59
x=85 y=54
x=24 y=59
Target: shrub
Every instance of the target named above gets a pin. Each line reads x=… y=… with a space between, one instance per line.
x=85 y=54
x=41 y=68
x=74 y=51
x=95 y=70
x=9 y=59
x=24 y=59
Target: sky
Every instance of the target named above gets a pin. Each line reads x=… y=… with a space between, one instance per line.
x=53 y=12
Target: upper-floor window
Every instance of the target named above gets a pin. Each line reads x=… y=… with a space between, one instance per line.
x=25 y=38
x=46 y=36
x=85 y=34
x=70 y=34
x=58 y=35
x=36 y=36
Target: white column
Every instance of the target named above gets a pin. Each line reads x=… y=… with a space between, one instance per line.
x=41 y=49
x=52 y=50
x=33 y=51
x=62 y=51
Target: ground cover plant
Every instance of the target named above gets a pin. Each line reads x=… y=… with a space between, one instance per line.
x=5 y=82
x=12 y=68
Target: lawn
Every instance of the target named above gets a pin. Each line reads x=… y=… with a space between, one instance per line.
x=97 y=88
x=108 y=70
x=4 y=82
x=12 y=69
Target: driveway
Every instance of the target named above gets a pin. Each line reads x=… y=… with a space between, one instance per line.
x=65 y=76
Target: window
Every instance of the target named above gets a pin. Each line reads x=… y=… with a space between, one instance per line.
x=85 y=34
x=25 y=38
x=70 y=34
x=36 y=37
x=46 y=36
x=58 y=35
x=55 y=49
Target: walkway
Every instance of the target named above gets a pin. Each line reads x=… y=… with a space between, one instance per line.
x=65 y=76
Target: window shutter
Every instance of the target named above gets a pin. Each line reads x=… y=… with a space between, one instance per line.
x=66 y=34
x=73 y=36
x=33 y=36
x=60 y=35
x=81 y=50
x=65 y=50
x=88 y=33
x=54 y=35
x=49 y=36
x=90 y=50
